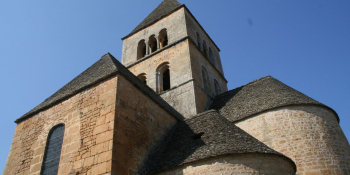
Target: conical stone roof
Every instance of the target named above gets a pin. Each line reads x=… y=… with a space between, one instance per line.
x=260 y=95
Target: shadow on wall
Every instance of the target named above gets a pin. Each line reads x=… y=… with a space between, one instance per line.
x=165 y=150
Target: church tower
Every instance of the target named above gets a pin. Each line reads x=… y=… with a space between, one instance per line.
x=172 y=53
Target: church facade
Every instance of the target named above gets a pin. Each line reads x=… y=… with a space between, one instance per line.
x=166 y=109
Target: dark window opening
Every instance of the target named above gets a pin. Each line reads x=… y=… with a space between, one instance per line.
x=163 y=77
x=163 y=38
x=152 y=44
x=166 y=80
x=141 y=49
x=53 y=151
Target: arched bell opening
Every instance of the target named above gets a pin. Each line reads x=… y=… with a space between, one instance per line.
x=163 y=78
x=141 y=49
x=163 y=38
x=152 y=43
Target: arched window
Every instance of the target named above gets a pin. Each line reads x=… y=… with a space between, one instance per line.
x=217 y=88
x=141 y=49
x=205 y=49
x=206 y=81
x=163 y=78
x=211 y=56
x=143 y=78
x=53 y=150
x=199 y=41
x=152 y=43
x=163 y=38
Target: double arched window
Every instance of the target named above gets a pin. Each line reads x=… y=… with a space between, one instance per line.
x=53 y=150
x=163 y=77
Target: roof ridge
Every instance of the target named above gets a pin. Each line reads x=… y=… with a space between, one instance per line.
x=248 y=84
x=165 y=8
x=201 y=114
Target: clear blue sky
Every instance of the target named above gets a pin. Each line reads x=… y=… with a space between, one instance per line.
x=45 y=44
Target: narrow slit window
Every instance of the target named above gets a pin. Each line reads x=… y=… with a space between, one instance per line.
x=166 y=80
x=199 y=41
x=53 y=150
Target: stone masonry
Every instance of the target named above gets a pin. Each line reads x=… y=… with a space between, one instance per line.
x=245 y=164
x=309 y=135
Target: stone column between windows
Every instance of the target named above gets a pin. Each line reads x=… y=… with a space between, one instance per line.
x=158 y=43
x=147 y=48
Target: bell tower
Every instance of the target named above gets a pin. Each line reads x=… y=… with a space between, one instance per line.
x=171 y=53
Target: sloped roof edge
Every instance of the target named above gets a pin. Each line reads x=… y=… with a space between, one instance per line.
x=137 y=29
x=258 y=96
x=205 y=135
x=101 y=70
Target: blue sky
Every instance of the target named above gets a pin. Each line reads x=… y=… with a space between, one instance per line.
x=45 y=44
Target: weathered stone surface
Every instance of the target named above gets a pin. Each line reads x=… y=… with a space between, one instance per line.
x=309 y=135
x=244 y=164
x=140 y=124
x=79 y=114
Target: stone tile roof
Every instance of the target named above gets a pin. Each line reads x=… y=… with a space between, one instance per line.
x=205 y=135
x=163 y=9
x=258 y=96
x=104 y=68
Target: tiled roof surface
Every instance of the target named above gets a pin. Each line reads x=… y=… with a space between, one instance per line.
x=104 y=68
x=163 y=9
x=205 y=135
x=258 y=96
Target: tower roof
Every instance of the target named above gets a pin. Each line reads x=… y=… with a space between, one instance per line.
x=259 y=96
x=101 y=70
x=163 y=9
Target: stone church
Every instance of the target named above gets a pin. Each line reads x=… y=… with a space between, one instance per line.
x=166 y=109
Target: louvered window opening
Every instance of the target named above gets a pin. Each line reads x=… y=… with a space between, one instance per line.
x=53 y=151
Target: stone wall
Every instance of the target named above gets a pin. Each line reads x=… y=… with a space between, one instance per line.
x=178 y=57
x=87 y=144
x=192 y=28
x=309 y=135
x=176 y=29
x=197 y=61
x=244 y=164
x=139 y=125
